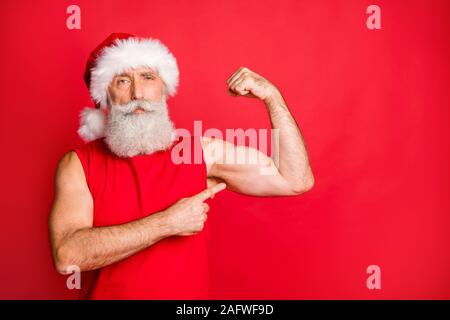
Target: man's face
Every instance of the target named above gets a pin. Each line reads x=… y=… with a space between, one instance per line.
x=138 y=120
x=135 y=84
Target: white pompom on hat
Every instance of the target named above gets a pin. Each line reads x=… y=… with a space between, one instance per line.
x=117 y=53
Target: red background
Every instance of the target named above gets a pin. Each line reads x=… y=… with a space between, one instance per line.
x=373 y=106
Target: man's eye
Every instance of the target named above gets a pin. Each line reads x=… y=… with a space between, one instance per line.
x=122 y=81
x=149 y=77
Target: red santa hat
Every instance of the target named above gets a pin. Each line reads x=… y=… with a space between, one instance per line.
x=117 y=53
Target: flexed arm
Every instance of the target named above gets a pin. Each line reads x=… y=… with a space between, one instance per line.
x=291 y=176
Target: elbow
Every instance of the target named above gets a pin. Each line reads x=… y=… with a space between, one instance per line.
x=64 y=261
x=61 y=261
x=304 y=185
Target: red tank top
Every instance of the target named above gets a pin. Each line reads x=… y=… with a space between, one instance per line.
x=126 y=189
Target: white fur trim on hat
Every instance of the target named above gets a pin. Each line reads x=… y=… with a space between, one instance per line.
x=92 y=124
x=132 y=53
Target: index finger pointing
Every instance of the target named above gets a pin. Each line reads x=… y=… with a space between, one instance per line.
x=209 y=192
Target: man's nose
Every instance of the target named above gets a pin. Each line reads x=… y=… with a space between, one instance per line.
x=137 y=92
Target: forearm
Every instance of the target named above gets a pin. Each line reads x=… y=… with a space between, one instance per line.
x=93 y=248
x=293 y=163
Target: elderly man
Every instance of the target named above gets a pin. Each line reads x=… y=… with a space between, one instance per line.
x=124 y=208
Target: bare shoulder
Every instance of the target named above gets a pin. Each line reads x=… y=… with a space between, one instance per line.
x=214 y=145
x=216 y=150
x=69 y=172
x=207 y=141
x=210 y=152
x=212 y=149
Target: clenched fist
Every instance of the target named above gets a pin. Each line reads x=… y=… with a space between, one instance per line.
x=245 y=82
x=187 y=216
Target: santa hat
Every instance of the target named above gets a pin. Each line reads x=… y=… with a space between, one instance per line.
x=118 y=52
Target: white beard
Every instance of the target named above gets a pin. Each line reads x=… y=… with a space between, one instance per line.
x=129 y=134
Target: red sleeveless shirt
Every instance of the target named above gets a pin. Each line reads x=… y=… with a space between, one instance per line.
x=126 y=189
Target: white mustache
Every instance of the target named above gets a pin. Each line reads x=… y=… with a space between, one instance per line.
x=130 y=107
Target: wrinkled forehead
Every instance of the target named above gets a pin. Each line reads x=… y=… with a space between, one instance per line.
x=138 y=70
